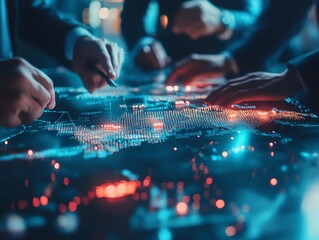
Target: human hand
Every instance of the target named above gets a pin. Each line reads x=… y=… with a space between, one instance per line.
x=151 y=55
x=106 y=56
x=25 y=92
x=198 y=18
x=199 y=67
x=259 y=86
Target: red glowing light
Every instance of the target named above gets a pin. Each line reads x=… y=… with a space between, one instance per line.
x=116 y=190
x=209 y=181
x=30 y=153
x=6 y=142
x=35 y=202
x=273 y=181
x=224 y=154
x=181 y=208
x=77 y=200
x=66 y=181
x=220 y=204
x=72 y=206
x=147 y=181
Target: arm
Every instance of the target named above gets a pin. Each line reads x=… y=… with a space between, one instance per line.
x=45 y=28
x=247 y=16
x=279 y=21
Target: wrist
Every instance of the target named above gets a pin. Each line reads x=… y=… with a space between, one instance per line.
x=227 y=24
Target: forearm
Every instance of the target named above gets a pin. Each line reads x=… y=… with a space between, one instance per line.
x=44 y=27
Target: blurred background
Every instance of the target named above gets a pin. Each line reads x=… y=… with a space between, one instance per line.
x=104 y=18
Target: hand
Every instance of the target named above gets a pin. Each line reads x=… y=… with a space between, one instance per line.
x=106 y=56
x=197 y=19
x=152 y=56
x=25 y=92
x=259 y=86
x=199 y=67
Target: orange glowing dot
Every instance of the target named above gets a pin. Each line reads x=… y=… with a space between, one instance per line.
x=176 y=88
x=224 y=154
x=272 y=154
x=209 y=181
x=220 y=204
x=147 y=181
x=66 y=181
x=72 y=206
x=271 y=144
x=181 y=208
x=57 y=166
x=30 y=153
x=273 y=181
x=164 y=21
x=188 y=88
x=230 y=231
x=169 y=88
x=175 y=149
x=6 y=142
x=232 y=115
x=44 y=200
x=35 y=202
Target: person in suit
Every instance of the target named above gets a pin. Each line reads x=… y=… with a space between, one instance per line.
x=280 y=20
x=185 y=27
x=26 y=91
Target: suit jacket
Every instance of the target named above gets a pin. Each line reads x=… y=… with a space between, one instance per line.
x=38 y=24
x=277 y=24
x=179 y=46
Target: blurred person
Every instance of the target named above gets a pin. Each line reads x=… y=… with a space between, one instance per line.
x=185 y=27
x=26 y=91
x=279 y=22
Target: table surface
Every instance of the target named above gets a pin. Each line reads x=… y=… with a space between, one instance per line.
x=148 y=162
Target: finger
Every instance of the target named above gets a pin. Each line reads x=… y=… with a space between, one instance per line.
x=183 y=19
x=10 y=121
x=105 y=62
x=113 y=50
x=34 y=112
x=40 y=94
x=47 y=83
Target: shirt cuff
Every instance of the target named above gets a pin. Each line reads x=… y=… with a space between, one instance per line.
x=71 y=39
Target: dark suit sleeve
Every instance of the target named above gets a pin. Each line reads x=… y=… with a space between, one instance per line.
x=247 y=16
x=44 y=27
x=280 y=20
x=133 y=27
x=308 y=69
